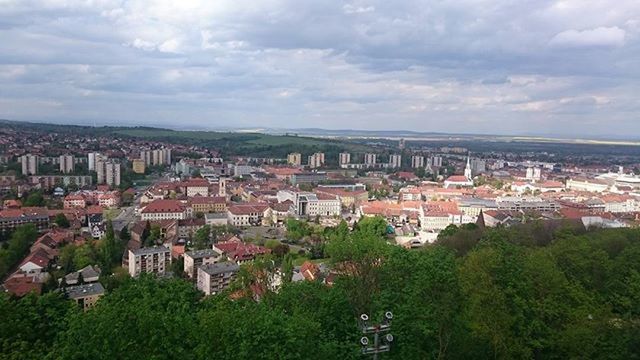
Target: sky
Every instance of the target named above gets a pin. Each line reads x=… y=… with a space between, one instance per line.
x=540 y=67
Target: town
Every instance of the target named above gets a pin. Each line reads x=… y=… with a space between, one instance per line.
x=79 y=208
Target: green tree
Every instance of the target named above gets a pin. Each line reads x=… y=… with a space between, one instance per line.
x=62 y=221
x=17 y=247
x=202 y=238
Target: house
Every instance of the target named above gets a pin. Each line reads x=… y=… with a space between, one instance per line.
x=238 y=251
x=35 y=265
x=86 y=295
x=193 y=259
x=21 y=286
x=109 y=200
x=87 y=274
x=72 y=201
x=214 y=278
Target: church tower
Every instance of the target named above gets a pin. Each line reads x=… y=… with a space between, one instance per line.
x=467 y=170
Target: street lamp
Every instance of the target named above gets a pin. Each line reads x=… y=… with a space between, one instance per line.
x=382 y=339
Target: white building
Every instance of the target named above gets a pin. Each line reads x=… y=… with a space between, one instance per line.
x=294 y=159
x=316 y=160
x=370 y=159
x=344 y=159
x=154 y=260
x=164 y=209
x=417 y=161
x=193 y=259
x=214 y=278
x=29 y=164
x=395 y=161
x=108 y=172
x=67 y=163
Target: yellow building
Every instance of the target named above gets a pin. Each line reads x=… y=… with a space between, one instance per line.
x=138 y=166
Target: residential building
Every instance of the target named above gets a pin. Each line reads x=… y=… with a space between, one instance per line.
x=12 y=218
x=395 y=161
x=86 y=295
x=294 y=159
x=108 y=172
x=194 y=259
x=316 y=160
x=214 y=278
x=344 y=159
x=92 y=158
x=29 y=164
x=370 y=160
x=417 y=161
x=67 y=163
x=138 y=166
x=154 y=260
x=51 y=181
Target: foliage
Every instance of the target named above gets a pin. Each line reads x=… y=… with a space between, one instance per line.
x=297 y=229
x=61 y=221
x=34 y=199
x=17 y=247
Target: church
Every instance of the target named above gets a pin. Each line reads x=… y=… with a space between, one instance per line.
x=456 y=181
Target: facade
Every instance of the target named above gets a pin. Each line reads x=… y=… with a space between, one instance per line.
x=208 y=204
x=92 y=157
x=197 y=187
x=395 y=161
x=316 y=160
x=29 y=164
x=10 y=219
x=86 y=295
x=308 y=178
x=108 y=172
x=417 y=161
x=154 y=260
x=51 y=181
x=194 y=259
x=344 y=159
x=156 y=157
x=138 y=166
x=249 y=214
x=67 y=163
x=214 y=278
x=294 y=159
x=370 y=160
x=163 y=209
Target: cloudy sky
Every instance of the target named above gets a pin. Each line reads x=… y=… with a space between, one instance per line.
x=485 y=66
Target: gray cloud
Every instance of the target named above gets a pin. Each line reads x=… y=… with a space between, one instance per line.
x=474 y=66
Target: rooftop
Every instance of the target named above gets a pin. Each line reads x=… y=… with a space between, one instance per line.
x=220 y=268
x=80 y=291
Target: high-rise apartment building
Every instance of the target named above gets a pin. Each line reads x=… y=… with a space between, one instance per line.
x=108 y=172
x=316 y=160
x=294 y=159
x=370 y=159
x=67 y=163
x=29 y=164
x=344 y=158
x=417 y=161
x=395 y=161
x=154 y=260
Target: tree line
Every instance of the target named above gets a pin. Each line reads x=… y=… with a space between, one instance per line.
x=508 y=293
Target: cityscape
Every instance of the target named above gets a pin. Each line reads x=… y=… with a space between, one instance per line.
x=335 y=180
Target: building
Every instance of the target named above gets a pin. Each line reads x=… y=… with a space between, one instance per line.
x=316 y=160
x=308 y=178
x=214 y=278
x=395 y=161
x=294 y=159
x=138 y=166
x=163 y=209
x=154 y=260
x=12 y=218
x=29 y=164
x=344 y=159
x=249 y=214
x=308 y=204
x=534 y=173
x=156 y=157
x=66 y=163
x=197 y=187
x=194 y=259
x=590 y=185
x=370 y=160
x=108 y=172
x=86 y=295
x=434 y=161
x=51 y=181
x=208 y=204
x=417 y=161
x=92 y=158
x=478 y=166
x=74 y=201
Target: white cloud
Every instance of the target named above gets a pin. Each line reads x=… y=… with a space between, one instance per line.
x=598 y=37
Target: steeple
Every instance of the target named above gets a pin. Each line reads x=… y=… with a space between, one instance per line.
x=467 y=170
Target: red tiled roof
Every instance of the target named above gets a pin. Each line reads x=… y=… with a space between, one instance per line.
x=163 y=206
x=248 y=208
x=21 y=286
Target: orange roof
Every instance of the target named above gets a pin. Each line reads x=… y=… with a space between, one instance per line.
x=163 y=206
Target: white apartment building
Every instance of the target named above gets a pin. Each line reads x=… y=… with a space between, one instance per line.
x=193 y=259
x=154 y=260
x=294 y=159
x=316 y=160
x=417 y=161
x=108 y=172
x=370 y=159
x=29 y=164
x=395 y=161
x=344 y=159
x=67 y=163
x=214 y=278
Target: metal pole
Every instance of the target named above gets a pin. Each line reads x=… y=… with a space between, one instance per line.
x=376 y=344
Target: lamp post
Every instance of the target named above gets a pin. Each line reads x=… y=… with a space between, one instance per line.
x=382 y=339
